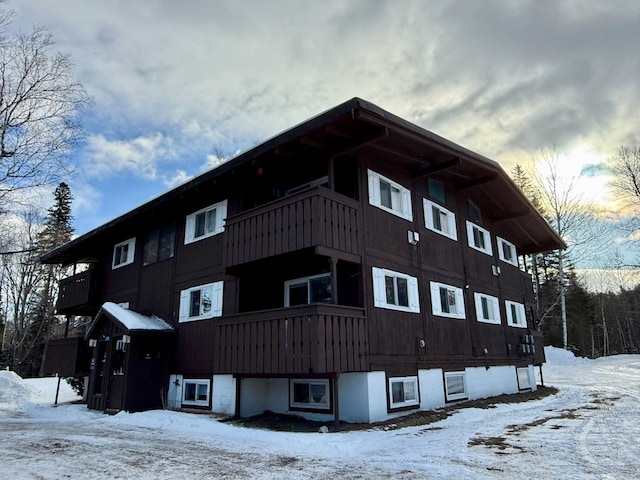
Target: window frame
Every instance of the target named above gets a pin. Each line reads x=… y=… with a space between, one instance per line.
x=436 y=302
x=404 y=210
x=405 y=403
x=520 y=371
x=495 y=307
x=197 y=382
x=521 y=311
x=380 y=291
x=325 y=407
x=455 y=396
x=186 y=302
x=501 y=243
x=190 y=222
x=164 y=232
x=131 y=253
x=488 y=247
x=428 y=207
x=300 y=281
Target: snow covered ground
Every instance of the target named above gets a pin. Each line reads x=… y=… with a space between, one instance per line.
x=589 y=430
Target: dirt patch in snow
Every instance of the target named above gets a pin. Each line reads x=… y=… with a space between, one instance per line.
x=292 y=423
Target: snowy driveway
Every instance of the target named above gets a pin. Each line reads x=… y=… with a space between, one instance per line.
x=589 y=430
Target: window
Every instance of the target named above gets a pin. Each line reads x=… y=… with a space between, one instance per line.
x=403 y=391
x=524 y=380
x=123 y=253
x=395 y=291
x=302 y=291
x=455 y=387
x=389 y=196
x=195 y=392
x=479 y=238
x=206 y=222
x=159 y=244
x=436 y=190
x=487 y=308
x=439 y=219
x=309 y=394
x=447 y=301
x=507 y=251
x=474 y=212
x=515 y=314
x=204 y=301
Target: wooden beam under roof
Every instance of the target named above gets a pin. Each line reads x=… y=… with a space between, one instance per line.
x=438 y=167
x=477 y=182
x=511 y=216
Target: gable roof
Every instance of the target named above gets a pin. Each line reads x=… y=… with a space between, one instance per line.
x=355 y=126
x=128 y=320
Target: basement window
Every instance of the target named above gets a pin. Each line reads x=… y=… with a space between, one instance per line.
x=123 y=253
x=403 y=392
x=455 y=385
x=524 y=379
x=195 y=392
x=309 y=394
x=389 y=196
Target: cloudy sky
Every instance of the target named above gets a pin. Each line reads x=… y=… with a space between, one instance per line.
x=177 y=84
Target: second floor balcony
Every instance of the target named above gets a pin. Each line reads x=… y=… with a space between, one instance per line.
x=76 y=294
x=316 y=217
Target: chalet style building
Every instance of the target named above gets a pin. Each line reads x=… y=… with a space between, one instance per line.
x=354 y=267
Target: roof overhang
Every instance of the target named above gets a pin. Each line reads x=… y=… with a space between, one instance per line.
x=133 y=323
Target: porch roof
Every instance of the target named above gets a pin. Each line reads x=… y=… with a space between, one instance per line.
x=129 y=320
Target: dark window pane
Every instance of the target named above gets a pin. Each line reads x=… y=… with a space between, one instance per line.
x=474 y=213
x=385 y=194
x=437 y=224
x=436 y=190
x=211 y=220
x=318 y=393
x=298 y=294
x=301 y=393
x=485 y=308
x=390 y=289
x=195 y=304
x=403 y=294
x=166 y=242
x=190 y=392
x=444 y=300
x=397 y=392
x=151 y=247
x=202 y=392
x=506 y=251
x=320 y=290
x=200 y=225
x=478 y=238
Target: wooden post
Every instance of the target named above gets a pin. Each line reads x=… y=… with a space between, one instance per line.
x=236 y=414
x=55 y=404
x=541 y=378
x=336 y=403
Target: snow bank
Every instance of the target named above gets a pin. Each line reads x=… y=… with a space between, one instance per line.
x=15 y=395
x=559 y=356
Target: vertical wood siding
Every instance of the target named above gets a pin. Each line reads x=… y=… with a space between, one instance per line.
x=310 y=218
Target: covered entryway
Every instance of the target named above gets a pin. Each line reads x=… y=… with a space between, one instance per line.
x=129 y=367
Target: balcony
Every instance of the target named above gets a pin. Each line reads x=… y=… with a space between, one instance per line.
x=314 y=218
x=76 y=294
x=316 y=338
x=67 y=357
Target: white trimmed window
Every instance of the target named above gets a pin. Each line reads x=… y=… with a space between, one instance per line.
x=403 y=392
x=507 y=251
x=206 y=222
x=515 y=314
x=389 y=196
x=479 y=238
x=196 y=392
x=395 y=291
x=439 y=219
x=302 y=291
x=524 y=379
x=487 y=308
x=123 y=253
x=447 y=301
x=203 y=301
x=309 y=394
x=455 y=385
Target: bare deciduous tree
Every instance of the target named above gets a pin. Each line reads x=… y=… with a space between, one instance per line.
x=625 y=168
x=40 y=107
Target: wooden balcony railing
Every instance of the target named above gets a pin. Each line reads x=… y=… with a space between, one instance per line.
x=316 y=338
x=68 y=357
x=315 y=217
x=76 y=293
